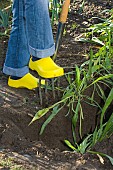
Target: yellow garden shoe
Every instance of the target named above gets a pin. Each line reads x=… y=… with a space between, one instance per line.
x=46 y=68
x=28 y=81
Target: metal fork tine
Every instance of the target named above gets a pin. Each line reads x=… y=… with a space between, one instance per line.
x=46 y=92
x=58 y=85
x=53 y=87
x=40 y=92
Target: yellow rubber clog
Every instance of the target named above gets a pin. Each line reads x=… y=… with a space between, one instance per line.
x=28 y=81
x=46 y=68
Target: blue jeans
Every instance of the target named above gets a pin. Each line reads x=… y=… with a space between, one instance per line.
x=31 y=35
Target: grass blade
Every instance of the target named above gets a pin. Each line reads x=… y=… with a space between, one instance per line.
x=102 y=154
x=39 y=114
x=107 y=103
x=70 y=145
x=56 y=109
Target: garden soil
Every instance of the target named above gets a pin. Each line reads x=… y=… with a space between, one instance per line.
x=21 y=146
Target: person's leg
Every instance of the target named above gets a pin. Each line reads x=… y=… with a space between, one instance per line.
x=17 y=57
x=40 y=38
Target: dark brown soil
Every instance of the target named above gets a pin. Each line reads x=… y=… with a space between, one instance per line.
x=21 y=146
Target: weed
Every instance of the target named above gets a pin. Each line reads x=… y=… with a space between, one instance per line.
x=93 y=73
x=5 y=21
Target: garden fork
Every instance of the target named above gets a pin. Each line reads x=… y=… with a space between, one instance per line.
x=61 y=25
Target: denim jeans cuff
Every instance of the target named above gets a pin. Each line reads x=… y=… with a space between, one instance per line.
x=19 y=72
x=42 y=53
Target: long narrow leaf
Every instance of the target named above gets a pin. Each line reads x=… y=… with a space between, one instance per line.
x=70 y=145
x=77 y=77
x=56 y=109
x=102 y=154
x=39 y=114
x=76 y=111
x=95 y=39
x=102 y=78
x=85 y=144
x=106 y=105
x=108 y=130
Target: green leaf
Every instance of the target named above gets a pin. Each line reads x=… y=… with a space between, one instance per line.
x=70 y=145
x=83 y=40
x=95 y=137
x=102 y=78
x=76 y=111
x=101 y=92
x=102 y=154
x=108 y=128
x=95 y=68
x=107 y=103
x=81 y=118
x=68 y=94
x=39 y=114
x=85 y=144
x=77 y=77
x=56 y=109
x=110 y=158
x=95 y=39
x=107 y=63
